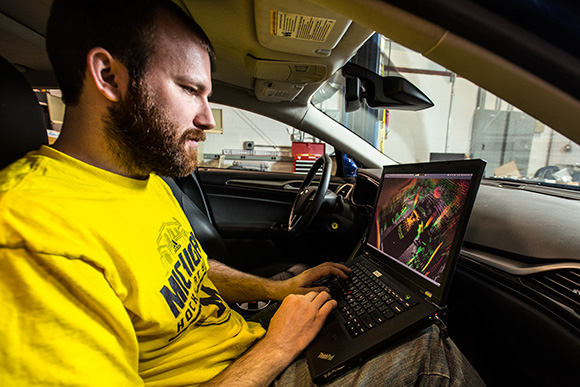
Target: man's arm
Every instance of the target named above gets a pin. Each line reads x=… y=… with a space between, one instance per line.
x=295 y=324
x=236 y=286
x=293 y=327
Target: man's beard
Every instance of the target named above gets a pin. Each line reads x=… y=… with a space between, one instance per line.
x=143 y=138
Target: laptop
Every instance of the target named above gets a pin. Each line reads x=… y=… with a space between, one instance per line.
x=402 y=268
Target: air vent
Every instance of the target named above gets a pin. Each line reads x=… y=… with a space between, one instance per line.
x=562 y=285
x=344 y=190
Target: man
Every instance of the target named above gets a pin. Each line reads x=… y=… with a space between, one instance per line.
x=102 y=280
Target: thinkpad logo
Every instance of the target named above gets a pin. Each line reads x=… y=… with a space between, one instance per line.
x=325 y=356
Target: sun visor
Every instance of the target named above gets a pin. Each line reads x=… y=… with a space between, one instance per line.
x=298 y=27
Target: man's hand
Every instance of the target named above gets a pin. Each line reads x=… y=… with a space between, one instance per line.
x=302 y=283
x=293 y=327
x=298 y=321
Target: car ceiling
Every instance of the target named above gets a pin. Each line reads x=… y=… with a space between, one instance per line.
x=240 y=56
x=249 y=56
x=251 y=59
x=22 y=39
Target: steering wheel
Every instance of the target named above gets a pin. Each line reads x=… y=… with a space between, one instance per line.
x=309 y=199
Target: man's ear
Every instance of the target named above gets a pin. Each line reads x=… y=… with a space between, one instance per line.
x=109 y=75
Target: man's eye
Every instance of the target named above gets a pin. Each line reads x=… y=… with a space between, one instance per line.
x=188 y=90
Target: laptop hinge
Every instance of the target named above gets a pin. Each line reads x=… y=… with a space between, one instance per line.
x=357 y=251
x=429 y=298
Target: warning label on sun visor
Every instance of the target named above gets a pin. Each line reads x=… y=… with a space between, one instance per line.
x=293 y=26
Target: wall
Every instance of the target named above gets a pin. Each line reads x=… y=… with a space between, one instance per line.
x=269 y=137
x=412 y=136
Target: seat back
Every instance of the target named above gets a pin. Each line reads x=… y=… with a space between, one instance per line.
x=211 y=241
x=22 y=124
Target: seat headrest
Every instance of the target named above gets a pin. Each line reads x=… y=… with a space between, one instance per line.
x=22 y=125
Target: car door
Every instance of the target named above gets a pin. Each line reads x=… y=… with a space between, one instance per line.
x=251 y=209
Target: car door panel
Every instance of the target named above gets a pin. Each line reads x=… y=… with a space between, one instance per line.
x=250 y=209
x=248 y=202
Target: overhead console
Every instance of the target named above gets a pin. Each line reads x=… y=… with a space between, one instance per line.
x=282 y=81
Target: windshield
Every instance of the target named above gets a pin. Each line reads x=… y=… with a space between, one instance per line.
x=466 y=121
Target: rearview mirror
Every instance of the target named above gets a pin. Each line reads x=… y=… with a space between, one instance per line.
x=352 y=94
x=391 y=92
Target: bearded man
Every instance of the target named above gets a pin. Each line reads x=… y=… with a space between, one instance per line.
x=102 y=280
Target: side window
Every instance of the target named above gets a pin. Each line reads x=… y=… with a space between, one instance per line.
x=245 y=140
x=53 y=108
x=241 y=139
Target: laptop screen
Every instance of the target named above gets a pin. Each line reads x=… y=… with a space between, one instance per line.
x=416 y=219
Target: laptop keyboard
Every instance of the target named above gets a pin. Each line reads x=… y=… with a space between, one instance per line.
x=366 y=301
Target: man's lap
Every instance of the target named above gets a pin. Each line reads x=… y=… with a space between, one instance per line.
x=424 y=360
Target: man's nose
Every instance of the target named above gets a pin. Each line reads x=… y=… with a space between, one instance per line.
x=204 y=119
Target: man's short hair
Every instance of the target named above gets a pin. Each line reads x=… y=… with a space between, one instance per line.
x=125 y=28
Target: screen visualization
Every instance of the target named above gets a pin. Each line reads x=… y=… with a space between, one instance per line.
x=416 y=220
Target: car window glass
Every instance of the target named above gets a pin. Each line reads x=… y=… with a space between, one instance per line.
x=240 y=140
x=466 y=122
x=245 y=140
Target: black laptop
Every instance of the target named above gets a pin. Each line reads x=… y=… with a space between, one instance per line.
x=403 y=267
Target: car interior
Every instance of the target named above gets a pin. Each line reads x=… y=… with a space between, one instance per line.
x=514 y=306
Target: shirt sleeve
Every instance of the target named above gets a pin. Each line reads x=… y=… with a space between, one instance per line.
x=62 y=324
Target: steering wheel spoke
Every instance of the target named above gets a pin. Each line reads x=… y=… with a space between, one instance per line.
x=310 y=198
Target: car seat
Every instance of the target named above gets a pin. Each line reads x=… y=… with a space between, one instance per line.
x=22 y=125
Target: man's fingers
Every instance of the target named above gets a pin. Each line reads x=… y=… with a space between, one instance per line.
x=319 y=298
x=341 y=272
x=311 y=295
x=322 y=302
x=318 y=289
x=330 y=268
x=327 y=307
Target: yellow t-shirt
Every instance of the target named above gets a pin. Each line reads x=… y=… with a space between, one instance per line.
x=102 y=282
